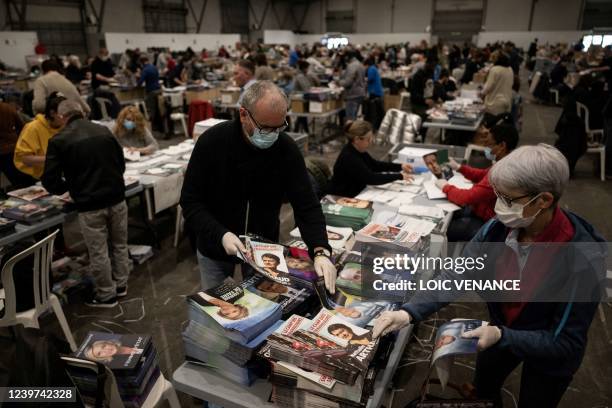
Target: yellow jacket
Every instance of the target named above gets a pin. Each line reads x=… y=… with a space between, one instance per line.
x=33 y=140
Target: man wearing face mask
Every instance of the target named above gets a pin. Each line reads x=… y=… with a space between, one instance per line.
x=559 y=259
x=477 y=202
x=31 y=147
x=239 y=175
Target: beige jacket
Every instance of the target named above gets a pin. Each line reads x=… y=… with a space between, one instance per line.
x=498 y=90
x=51 y=82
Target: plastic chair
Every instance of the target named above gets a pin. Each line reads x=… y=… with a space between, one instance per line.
x=178 y=116
x=102 y=104
x=43 y=298
x=162 y=390
x=596 y=139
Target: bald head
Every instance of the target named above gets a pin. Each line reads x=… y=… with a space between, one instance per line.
x=264 y=95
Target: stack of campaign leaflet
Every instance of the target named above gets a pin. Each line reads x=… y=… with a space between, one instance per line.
x=346 y=212
x=326 y=357
x=132 y=358
x=226 y=324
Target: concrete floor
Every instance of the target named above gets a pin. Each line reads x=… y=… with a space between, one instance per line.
x=157 y=288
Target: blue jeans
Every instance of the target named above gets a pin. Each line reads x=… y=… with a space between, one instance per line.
x=213 y=272
x=352 y=107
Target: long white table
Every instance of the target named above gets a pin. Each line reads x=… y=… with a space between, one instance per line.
x=449 y=125
x=203 y=383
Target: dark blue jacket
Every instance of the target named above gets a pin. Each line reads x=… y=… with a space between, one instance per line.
x=550 y=336
x=150 y=77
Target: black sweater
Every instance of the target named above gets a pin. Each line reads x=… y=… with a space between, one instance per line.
x=86 y=160
x=353 y=171
x=227 y=175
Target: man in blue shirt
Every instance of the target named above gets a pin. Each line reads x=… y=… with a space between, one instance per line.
x=294 y=56
x=150 y=77
x=374 y=111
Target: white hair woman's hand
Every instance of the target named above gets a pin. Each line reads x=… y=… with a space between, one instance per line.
x=390 y=321
x=487 y=336
x=453 y=164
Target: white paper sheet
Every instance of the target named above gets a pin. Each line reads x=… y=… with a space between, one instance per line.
x=448 y=207
x=421 y=211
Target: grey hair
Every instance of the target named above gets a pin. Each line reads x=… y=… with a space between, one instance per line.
x=532 y=169
x=70 y=108
x=258 y=90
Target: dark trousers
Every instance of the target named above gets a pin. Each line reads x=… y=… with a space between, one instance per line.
x=17 y=178
x=152 y=104
x=538 y=390
x=464 y=225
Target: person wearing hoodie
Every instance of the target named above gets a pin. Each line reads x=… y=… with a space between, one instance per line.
x=354 y=83
x=31 y=147
x=559 y=261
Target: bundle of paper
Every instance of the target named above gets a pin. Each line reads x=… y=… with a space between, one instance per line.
x=29 y=193
x=338 y=238
x=327 y=345
x=215 y=342
x=293 y=390
x=422 y=211
x=132 y=358
x=389 y=234
x=292 y=300
x=30 y=212
x=238 y=313
x=346 y=212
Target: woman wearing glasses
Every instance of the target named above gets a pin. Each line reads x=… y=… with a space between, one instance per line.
x=559 y=260
x=477 y=202
x=355 y=168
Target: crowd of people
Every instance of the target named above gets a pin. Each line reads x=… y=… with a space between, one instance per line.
x=254 y=167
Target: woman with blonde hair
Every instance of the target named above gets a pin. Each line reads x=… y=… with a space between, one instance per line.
x=355 y=168
x=133 y=133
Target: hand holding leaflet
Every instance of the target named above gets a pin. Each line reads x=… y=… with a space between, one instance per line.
x=390 y=321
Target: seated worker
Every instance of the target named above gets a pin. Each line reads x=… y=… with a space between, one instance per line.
x=355 y=168
x=478 y=202
x=31 y=147
x=549 y=338
x=444 y=87
x=132 y=132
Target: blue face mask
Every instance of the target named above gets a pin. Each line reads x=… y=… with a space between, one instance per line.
x=129 y=125
x=263 y=141
x=489 y=154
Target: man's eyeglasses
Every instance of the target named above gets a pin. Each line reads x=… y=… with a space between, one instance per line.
x=509 y=200
x=265 y=130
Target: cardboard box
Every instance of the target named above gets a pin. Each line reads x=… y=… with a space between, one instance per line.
x=479 y=78
x=392 y=102
x=299 y=106
x=230 y=96
x=200 y=127
x=128 y=94
x=202 y=95
x=321 y=107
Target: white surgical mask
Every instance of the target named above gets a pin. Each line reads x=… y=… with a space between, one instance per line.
x=512 y=216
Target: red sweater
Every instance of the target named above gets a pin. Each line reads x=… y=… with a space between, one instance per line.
x=480 y=197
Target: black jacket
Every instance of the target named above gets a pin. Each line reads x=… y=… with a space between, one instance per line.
x=86 y=160
x=228 y=176
x=353 y=171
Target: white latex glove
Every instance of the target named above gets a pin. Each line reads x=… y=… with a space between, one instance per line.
x=407 y=177
x=231 y=243
x=325 y=268
x=453 y=164
x=406 y=168
x=487 y=336
x=440 y=183
x=390 y=321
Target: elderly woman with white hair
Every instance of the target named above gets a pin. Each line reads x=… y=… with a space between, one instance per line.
x=555 y=256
